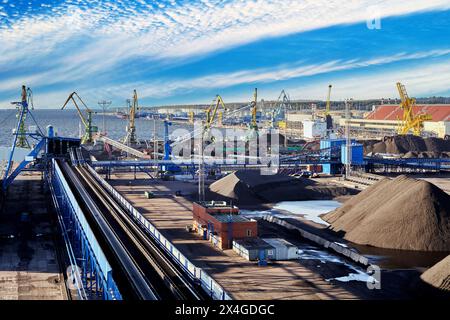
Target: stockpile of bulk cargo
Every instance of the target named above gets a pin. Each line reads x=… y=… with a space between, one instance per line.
x=402 y=213
x=439 y=275
x=408 y=145
x=246 y=187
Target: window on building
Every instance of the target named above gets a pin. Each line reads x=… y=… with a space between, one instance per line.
x=249 y=232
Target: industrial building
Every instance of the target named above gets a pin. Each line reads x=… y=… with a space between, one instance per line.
x=387 y=118
x=221 y=223
x=266 y=249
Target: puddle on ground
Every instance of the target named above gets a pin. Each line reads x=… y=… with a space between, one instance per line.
x=356 y=274
x=309 y=210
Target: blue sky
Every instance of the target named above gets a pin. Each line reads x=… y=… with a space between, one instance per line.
x=189 y=51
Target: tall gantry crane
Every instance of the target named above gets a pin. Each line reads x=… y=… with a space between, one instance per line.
x=328 y=118
x=327 y=108
x=213 y=113
x=410 y=121
x=283 y=104
x=133 y=107
x=89 y=129
x=254 y=111
x=22 y=108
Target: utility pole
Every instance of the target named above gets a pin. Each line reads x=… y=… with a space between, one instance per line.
x=348 y=140
x=201 y=172
x=104 y=104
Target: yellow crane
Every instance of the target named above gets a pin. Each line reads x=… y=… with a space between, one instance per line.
x=212 y=112
x=327 y=108
x=410 y=121
x=130 y=138
x=89 y=129
x=254 y=109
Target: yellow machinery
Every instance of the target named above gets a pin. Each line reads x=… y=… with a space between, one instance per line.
x=212 y=112
x=191 y=117
x=410 y=121
x=89 y=129
x=283 y=103
x=254 y=109
x=130 y=138
x=327 y=108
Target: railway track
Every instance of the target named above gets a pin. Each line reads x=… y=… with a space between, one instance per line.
x=147 y=270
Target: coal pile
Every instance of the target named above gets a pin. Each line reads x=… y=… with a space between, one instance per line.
x=439 y=275
x=402 y=213
x=403 y=144
x=249 y=187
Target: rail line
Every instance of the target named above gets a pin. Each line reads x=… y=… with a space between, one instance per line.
x=153 y=274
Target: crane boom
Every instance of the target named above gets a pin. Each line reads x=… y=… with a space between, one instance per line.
x=88 y=128
x=410 y=121
x=214 y=107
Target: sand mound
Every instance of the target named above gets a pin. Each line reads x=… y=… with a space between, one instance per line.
x=402 y=144
x=250 y=187
x=439 y=275
x=402 y=213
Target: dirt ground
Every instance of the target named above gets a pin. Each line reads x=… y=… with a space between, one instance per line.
x=295 y=279
x=28 y=262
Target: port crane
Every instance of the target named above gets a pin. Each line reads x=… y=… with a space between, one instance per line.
x=254 y=111
x=27 y=96
x=20 y=139
x=410 y=121
x=327 y=107
x=89 y=129
x=131 y=138
x=283 y=103
x=213 y=115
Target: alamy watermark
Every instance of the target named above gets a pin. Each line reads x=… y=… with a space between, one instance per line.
x=230 y=146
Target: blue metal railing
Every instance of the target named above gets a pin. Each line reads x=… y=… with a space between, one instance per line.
x=92 y=273
x=196 y=273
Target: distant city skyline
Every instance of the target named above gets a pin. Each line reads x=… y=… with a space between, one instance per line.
x=186 y=52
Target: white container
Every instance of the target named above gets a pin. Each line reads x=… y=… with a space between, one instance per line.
x=314 y=129
x=284 y=250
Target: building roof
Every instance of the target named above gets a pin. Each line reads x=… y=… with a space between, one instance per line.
x=438 y=112
x=222 y=217
x=279 y=242
x=253 y=243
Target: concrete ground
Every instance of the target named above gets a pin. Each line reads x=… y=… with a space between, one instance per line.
x=242 y=279
x=28 y=263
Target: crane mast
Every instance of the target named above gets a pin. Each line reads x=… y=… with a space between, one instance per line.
x=327 y=108
x=89 y=129
x=131 y=138
x=410 y=122
x=254 y=110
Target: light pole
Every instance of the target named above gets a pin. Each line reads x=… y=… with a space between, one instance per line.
x=104 y=104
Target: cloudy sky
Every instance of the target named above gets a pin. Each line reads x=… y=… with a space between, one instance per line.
x=186 y=51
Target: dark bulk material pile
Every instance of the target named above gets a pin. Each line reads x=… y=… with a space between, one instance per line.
x=439 y=275
x=409 y=145
x=250 y=187
x=402 y=213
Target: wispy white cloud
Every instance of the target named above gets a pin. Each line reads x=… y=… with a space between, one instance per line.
x=423 y=79
x=79 y=38
x=169 y=87
x=196 y=27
